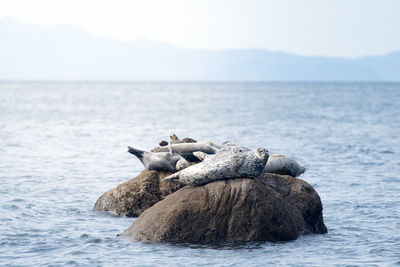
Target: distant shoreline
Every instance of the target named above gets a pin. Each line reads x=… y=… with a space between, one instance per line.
x=194 y=81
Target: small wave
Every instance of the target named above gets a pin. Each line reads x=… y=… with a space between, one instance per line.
x=386 y=152
x=95 y=240
x=10 y=207
x=13 y=145
x=84 y=235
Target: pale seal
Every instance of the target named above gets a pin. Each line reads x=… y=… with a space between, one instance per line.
x=281 y=164
x=227 y=165
x=186 y=149
x=175 y=140
x=160 y=161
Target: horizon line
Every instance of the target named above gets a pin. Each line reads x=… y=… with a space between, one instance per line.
x=8 y=18
x=191 y=81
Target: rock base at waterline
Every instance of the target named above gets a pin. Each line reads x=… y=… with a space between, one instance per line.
x=133 y=197
x=270 y=208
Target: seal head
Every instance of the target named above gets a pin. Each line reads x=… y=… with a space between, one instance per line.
x=284 y=165
x=262 y=154
x=160 y=161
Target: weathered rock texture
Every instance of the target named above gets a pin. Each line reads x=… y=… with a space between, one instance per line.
x=270 y=208
x=133 y=197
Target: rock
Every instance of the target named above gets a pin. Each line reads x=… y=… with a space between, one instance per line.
x=133 y=197
x=271 y=207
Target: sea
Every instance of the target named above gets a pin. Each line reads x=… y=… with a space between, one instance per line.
x=63 y=144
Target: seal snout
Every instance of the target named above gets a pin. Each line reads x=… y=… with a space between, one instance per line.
x=262 y=153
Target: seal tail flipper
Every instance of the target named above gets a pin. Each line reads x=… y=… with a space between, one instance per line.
x=138 y=153
x=172 y=178
x=174 y=137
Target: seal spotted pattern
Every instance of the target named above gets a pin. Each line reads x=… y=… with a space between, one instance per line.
x=226 y=165
x=160 y=161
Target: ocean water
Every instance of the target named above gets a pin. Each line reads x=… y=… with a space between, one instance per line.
x=64 y=144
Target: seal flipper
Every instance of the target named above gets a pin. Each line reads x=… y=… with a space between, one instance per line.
x=138 y=153
x=174 y=137
x=172 y=178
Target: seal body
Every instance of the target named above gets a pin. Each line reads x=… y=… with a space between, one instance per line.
x=281 y=164
x=176 y=140
x=160 y=161
x=225 y=149
x=186 y=149
x=226 y=165
x=233 y=149
x=182 y=148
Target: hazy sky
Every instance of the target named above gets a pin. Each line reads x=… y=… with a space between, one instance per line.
x=348 y=28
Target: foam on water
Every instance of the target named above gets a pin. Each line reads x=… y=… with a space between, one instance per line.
x=63 y=144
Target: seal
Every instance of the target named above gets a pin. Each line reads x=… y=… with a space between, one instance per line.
x=186 y=149
x=230 y=147
x=160 y=161
x=205 y=146
x=221 y=166
x=284 y=165
x=225 y=149
x=175 y=139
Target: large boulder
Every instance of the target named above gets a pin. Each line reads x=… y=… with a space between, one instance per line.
x=270 y=208
x=133 y=197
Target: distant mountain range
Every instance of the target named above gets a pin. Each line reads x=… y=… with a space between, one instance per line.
x=30 y=52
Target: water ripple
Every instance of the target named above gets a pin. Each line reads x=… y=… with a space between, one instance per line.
x=63 y=144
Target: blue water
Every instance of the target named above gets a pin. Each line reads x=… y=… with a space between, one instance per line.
x=64 y=144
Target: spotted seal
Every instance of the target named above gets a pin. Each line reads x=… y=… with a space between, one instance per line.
x=160 y=161
x=281 y=164
x=225 y=149
x=230 y=147
x=226 y=165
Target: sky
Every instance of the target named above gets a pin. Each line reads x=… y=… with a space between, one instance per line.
x=343 y=28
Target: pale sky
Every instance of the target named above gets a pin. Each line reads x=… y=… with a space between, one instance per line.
x=346 y=28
